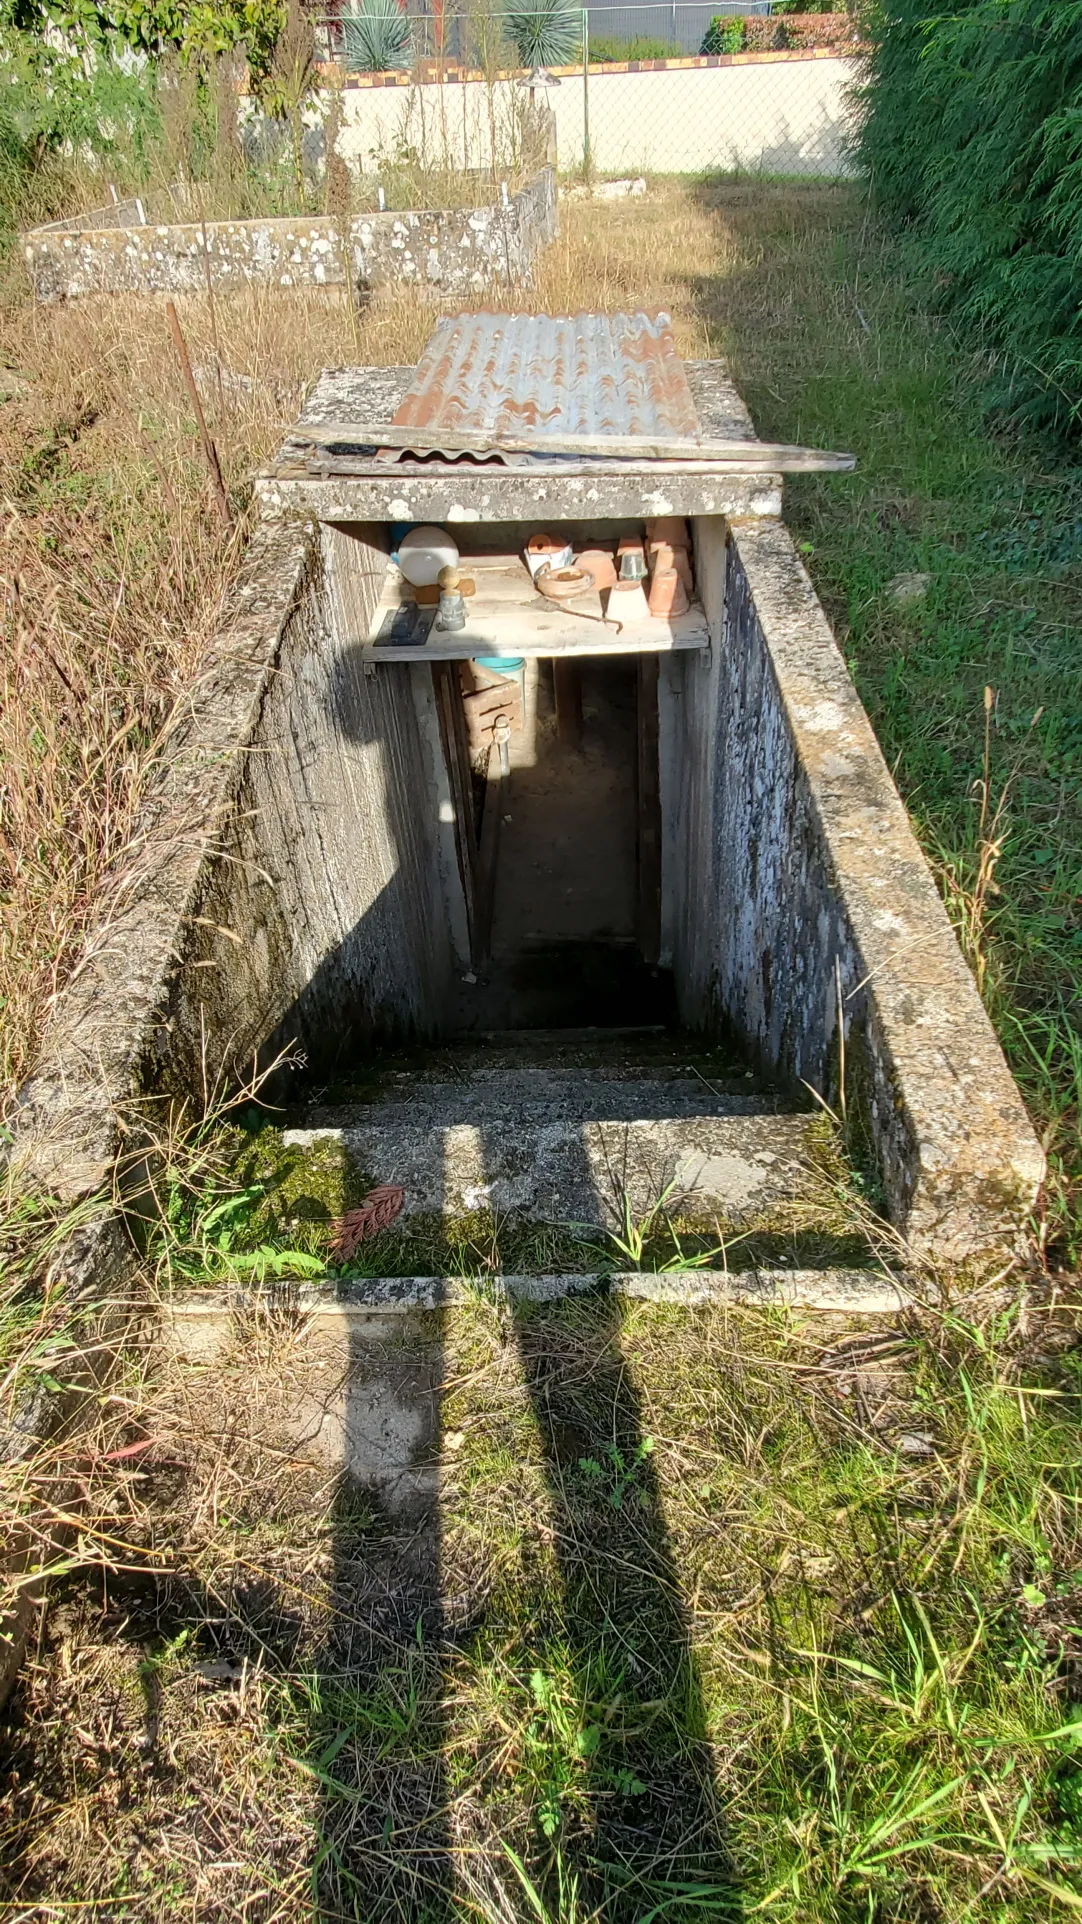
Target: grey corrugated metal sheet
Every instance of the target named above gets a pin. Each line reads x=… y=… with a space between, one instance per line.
x=598 y=374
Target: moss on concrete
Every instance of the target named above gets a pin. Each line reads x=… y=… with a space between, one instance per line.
x=304 y=1189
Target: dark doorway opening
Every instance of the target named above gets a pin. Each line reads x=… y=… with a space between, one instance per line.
x=567 y=870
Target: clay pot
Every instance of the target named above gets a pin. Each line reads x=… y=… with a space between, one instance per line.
x=670 y=528
x=599 y=563
x=627 y=603
x=665 y=556
x=563 y=584
x=668 y=596
x=547 y=551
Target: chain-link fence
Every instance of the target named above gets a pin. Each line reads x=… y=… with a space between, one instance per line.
x=637 y=30
x=678 y=88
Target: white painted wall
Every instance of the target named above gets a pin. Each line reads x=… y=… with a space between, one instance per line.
x=785 y=116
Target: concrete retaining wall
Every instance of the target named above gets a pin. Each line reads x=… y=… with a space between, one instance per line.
x=460 y=250
x=288 y=881
x=805 y=895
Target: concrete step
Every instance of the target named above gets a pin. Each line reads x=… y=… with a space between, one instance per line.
x=548 y=1164
x=612 y=1053
x=573 y=1095
x=356 y=1300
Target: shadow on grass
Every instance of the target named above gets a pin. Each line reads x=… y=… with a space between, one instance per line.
x=614 y=1680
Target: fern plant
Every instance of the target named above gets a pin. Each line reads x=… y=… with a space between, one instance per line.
x=546 y=35
x=377 y=38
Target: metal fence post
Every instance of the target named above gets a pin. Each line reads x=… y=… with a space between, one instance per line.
x=587 y=166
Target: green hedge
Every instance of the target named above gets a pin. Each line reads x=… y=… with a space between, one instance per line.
x=974 y=134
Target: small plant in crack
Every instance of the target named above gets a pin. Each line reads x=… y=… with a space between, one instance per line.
x=206 y=1235
x=650 y=1242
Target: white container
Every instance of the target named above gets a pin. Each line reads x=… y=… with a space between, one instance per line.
x=422 y=553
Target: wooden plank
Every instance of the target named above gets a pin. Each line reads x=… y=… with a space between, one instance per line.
x=780 y=456
x=496 y=787
x=648 y=638
x=649 y=906
x=507 y=615
x=567 y=687
x=328 y=467
x=456 y=755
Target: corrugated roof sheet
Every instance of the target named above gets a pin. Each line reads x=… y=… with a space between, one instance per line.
x=583 y=374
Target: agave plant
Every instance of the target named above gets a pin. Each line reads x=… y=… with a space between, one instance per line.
x=377 y=38
x=548 y=34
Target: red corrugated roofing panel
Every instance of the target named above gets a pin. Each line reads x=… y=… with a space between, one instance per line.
x=600 y=374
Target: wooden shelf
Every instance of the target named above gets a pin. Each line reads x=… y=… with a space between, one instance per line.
x=507 y=616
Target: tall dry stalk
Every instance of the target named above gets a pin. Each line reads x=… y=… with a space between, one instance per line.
x=338 y=193
x=290 y=80
x=972 y=904
x=228 y=75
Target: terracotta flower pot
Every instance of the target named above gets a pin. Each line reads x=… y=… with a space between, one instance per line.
x=599 y=563
x=670 y=528
x=668 y=596
x=547 y=551
x=627 y=603
x=664 y=556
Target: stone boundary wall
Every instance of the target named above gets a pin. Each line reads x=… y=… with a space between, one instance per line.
x=835 y=905
x=459 y=251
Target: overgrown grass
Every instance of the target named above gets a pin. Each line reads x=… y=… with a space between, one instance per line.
x=724 y=1614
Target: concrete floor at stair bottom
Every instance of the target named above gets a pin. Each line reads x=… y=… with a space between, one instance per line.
x=734 y=1168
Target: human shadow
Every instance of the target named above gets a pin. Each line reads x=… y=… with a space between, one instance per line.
x=652 y=1829
x=639 y=1820
x=611 y=1777
x=376 y=1740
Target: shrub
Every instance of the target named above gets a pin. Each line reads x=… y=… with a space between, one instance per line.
x=548 y=35
x=725 y=34
x=973 y=133
x=641 y=46
x=377 y=38
x=62 y=98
